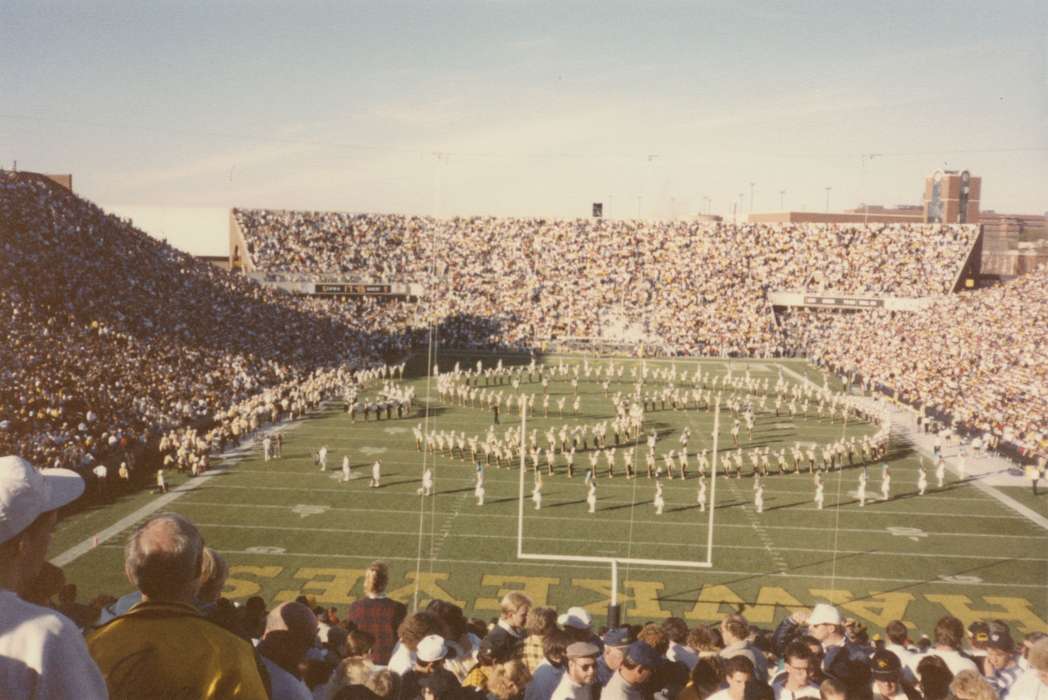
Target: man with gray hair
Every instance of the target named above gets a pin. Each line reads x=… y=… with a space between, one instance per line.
x=164 y=644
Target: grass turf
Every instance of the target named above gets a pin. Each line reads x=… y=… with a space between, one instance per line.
x=288 y=529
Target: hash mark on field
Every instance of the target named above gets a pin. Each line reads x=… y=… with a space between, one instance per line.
x=762 y=534
x=438 y=544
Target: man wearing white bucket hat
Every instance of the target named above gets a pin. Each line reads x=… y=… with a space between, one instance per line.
x=42 y=653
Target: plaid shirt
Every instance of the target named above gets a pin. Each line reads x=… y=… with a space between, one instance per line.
x=533 y=655
x=381 y=617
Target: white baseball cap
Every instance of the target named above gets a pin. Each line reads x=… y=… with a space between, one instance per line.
x=576 y=617
x=823 y=614
x=26 y=492
x=431 y=648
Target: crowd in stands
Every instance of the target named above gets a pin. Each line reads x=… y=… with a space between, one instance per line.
x=696 y=287
x=112 y=338
x=980 y=358
x=175 y=636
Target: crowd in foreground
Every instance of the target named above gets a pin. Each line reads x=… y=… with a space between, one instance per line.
x=176 y=637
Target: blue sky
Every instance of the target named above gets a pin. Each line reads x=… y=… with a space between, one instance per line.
x=173 y=112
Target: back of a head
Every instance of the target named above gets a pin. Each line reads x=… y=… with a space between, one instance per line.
x=450 y=616
x=555 y=645
x=376 y=578
x=654 y=636
x=676 y=629
x=512 y=602
x=896 y=632
x=702 y=638
x=508 y=679
x=737 y=626
x=706 y=675
x=540 y=621
x=935 y=677
x=417 y=627
x=213 y=575
x=291 y=629
x=164 y=557
x=969 y=685
x=949 y=632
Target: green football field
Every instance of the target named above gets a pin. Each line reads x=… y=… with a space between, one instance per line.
x=289 y=529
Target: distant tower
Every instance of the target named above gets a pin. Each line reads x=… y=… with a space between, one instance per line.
x=952 y=197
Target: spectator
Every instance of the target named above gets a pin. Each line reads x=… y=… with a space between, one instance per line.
x=738 y=671
x=411 y=632
x=539 y=623
x=508 y=680
x=579 y=678
x=933 y=677
x=705 y=679
x=1033 y=683
x=677 y=631
x=548 y=674
x=949 y=635
x=166 y=637
x=376 y=614
x=969 y=685
x=431 y=653
x=1002 y=668
x=616 y=642
x=735 y=631
x=509 y=630
x=635 y=671
x=886 y=671
x=795 y=681
x=291 y=630
x=42 y=654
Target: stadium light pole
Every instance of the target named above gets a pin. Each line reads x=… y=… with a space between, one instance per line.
x=828 y=199
x=782 y=197
x=751 y=196
x=865 y=204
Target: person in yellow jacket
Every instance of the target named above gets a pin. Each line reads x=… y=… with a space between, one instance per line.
x=164 y=646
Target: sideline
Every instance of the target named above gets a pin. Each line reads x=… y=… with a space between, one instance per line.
x=906 y=426
x=230 y=456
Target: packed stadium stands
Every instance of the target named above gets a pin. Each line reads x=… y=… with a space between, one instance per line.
x=111 y=335
x=978 y=357
x=697 y=288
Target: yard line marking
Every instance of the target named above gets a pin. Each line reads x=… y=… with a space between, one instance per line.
x=384 y=556
x=669 y=488
x=868 y=510
x=765 y=547
x=569 y=518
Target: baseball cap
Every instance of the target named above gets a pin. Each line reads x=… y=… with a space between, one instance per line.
x=576 y=617
x=979 y=630
x=823 y=614
x=1001 y=639
x=885 y=666
x=642 y=654
x=431 y=648
x=27 y=492
x=618 y=637
x=578 y=650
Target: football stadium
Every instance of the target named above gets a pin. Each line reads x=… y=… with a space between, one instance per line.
x=375 y=446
